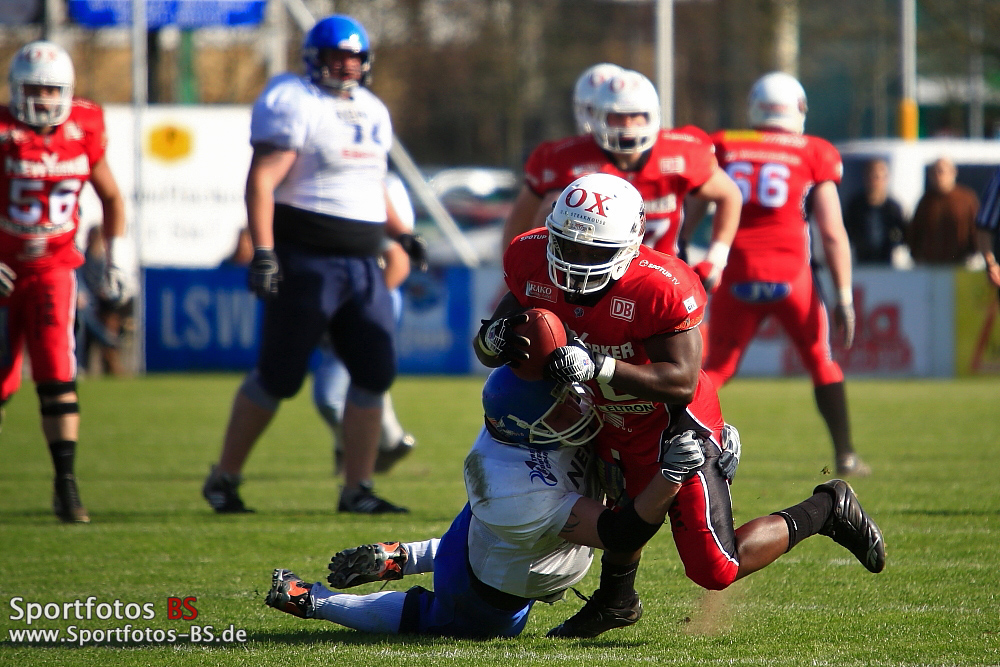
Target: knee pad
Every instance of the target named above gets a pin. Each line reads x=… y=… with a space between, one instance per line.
x=59 y=409
x=363 y=398
x=53 y=389
x=252 y=389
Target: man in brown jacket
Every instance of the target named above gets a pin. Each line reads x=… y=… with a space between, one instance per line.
x=943 y=229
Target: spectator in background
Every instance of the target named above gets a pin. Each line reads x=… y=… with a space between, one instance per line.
x=318 y=212
x=53 y=144
x=874 y=220
x=105 y=322
x=943 y=229
x=988 y=229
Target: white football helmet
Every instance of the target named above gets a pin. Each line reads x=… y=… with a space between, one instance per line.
x=585 y=91
x=777 y=100
x=627 y=92
x=595 y=229
x=44 y=64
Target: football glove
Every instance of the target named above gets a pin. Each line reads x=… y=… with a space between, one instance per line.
x=416 y=248
x=729 y=460
x=264 y=274
x=115 y=286
x=7 y=277
x=680 y=456
x=497 y=338
x=844 y=319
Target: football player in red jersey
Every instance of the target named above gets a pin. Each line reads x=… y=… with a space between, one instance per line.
x=51 y=144
x=634 y=314
x=777 y=167
x=625 y=139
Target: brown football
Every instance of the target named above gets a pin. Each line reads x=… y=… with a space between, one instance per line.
x=546 y=332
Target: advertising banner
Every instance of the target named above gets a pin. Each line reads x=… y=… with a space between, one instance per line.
x=194 y=171
x=199 y=319
x=904 y=329
x=183 y=13
x=977 y=325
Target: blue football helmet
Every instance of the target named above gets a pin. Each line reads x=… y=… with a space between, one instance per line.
x=542 y=415
x=339 y=33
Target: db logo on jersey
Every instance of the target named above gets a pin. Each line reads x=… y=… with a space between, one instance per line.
x=622 y=309
x=541 y=291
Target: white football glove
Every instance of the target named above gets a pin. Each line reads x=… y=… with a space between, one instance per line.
x=117 y=286
x=729 y=460
x=7 y=277
x=680 y=456
x=570 y=363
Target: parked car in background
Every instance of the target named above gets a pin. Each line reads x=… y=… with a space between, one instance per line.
x=479 y=199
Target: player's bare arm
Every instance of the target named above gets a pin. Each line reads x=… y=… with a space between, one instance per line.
x=111 y=199
x=268 y=167
x=725 y=194
x=522 y=216
x=833 y=234
x=671 y=376
x=721 y=190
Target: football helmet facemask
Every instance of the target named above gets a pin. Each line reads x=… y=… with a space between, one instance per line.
x=41 y=63
x=628 y=92
x=777 y=100
x=595 y=229
x=336 y=33
x=585 y=91
x=543 y=415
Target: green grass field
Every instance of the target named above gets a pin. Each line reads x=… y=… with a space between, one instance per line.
x=147 y=443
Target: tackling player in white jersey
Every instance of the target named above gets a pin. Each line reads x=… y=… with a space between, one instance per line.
x=526 y=534
x=318 y=213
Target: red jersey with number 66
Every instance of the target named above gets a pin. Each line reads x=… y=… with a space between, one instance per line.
x=680 y=161
x=659 y=294
x=775 y=172
x=40 y=187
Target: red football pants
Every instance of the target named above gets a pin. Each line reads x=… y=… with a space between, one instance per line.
x=801 y=313
x=39 y=315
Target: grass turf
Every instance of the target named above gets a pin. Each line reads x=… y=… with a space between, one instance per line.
x=146 y=445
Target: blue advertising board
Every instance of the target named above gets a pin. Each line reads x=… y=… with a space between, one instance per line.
x=206 y=319
x=200 y=319
x=182 y=13
x=433 y=336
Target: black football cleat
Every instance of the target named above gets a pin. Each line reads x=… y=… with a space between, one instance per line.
x=66 y=501
x=596 y=617
x=221 y=492
x=383 y=561
x=290 y=594
x=850 y=527
x=364 y=501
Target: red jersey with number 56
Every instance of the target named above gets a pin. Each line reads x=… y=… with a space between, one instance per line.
x=775 y=172
x=40 y=187
x=659 y=294
x=680 y=161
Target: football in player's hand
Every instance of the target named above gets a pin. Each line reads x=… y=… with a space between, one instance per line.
x=545 y=332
